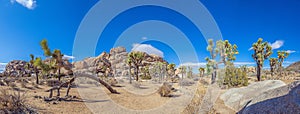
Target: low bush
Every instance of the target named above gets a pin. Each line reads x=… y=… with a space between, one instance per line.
x=13 y=102
x=235 y=76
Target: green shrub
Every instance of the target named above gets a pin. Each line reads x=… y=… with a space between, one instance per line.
x=235 y=76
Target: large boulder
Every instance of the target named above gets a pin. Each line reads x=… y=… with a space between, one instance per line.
x=282 y=100
x=237 y=98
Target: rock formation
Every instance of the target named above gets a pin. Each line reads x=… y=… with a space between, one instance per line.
x=237 y=98
x=16 y=68
x=282 y=100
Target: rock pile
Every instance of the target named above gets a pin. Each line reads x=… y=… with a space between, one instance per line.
x=16 y=68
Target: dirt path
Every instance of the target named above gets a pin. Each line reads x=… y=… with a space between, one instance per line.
x=128 y=103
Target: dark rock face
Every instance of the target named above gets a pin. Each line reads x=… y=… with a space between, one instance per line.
x=16 y=68
x=282 y=100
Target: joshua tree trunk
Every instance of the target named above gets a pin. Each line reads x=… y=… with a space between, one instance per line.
x=130 y=80
x=258 y=72
x=137 y=73
x=213 y=76
x=37 y=76
x=59 y=74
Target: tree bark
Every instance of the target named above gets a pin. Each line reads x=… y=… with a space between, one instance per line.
x=98 y=80
x=37 y=76
x=137 y=73
x=59 y=74
x=130 y=80
x=258 y=72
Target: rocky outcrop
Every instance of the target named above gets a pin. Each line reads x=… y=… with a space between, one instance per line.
x=16 y=68
x=115 y=61
x=294 y=67
x=282 y=100
x=237 y=98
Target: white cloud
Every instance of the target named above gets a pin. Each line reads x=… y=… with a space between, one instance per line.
x=290 y=51
x=2 y=66
x=277 y=44
x=191 y=64
x=144 y=38
x=147 y=48
x=30 y=4
x=203 y=64
x=68 y=57
x=244 y=63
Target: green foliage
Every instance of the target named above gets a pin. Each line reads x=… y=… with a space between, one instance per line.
x=146 y=74
x=201 y=71
x=227 y=54
x=44 y=45
x=235 y=76
x=262 y=51
x=281 y=56
x=136 y=59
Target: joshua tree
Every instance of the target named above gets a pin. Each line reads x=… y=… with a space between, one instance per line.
x=189 y=72
x=32 y=65
x=211 y=62
x=136 y=58
x=281 y=56
x=262 y=51
x=129 y=62
x=182 y=70
x=171 y=69
x=56 y=56
x=273 y=65
x=201 y=71
x=227 y=51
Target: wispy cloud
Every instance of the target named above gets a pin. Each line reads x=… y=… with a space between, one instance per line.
x=276 y=45
x=290 y=51
x=147 y=48
x=30 y=4
x=68 y=57
x=144 y=38
x=191 y=64
x=203 y=64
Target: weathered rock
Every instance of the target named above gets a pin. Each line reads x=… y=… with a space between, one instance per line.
x=237 y=98
x=282 y=100
x=16 y=68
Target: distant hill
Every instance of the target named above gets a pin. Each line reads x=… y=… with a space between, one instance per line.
x=294 y=67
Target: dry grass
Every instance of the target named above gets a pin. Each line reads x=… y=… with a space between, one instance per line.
x=13 y=102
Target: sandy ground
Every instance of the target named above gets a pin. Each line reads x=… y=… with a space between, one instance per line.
x=91 y=98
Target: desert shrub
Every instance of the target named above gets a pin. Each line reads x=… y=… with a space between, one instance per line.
x=165 y=90
x=13 y=102
x=146 y=77
x=235 y=76
x=186 y=82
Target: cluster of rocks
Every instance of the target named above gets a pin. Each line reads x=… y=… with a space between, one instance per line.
x=20 y=68
x=17 y=68
x=115 y=61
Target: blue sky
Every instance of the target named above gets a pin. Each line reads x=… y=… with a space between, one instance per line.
x=24 y=23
